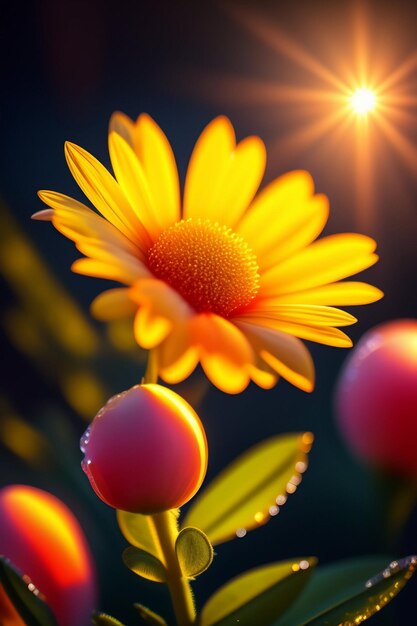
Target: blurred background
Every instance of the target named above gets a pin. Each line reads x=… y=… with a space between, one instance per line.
x=283 y=72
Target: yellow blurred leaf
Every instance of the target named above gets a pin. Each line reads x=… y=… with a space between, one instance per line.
x=140 y=532
x=144 y=564
x=258 y=596
x=245 y=494
x=194 y=552
x=149 y=616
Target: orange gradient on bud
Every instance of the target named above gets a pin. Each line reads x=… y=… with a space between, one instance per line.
x=43 y=539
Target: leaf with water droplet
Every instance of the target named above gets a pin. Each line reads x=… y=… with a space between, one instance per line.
x=349 y=592
x=102 y=619
x=194 y=551
x=149 y=616
x=144 y=564
x=245 y=494
x=258 y=596
x=24 y=596
x=139 y=531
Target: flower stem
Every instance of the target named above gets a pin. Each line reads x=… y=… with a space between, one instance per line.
x=151 y=373
x=166 y=528
x=182 y=599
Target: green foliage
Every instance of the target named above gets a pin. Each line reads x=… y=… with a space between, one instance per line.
x=258 y=596
x=144 y=564
x=139 y=531
x=102 y=619
x=194 y=552
x=25 y=597
x=149 y=616
x=242 y=495
x=348 y=592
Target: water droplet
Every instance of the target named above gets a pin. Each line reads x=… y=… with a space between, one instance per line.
x=85 y=439
x=273 y=510
x=84 y=466
x=301 y=466
x=241 y=532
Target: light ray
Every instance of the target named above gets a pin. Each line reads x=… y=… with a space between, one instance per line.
x=296 y=141
x=272 y=35
x=403 y=146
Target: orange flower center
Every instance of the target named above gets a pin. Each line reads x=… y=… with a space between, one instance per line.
x=208 y=264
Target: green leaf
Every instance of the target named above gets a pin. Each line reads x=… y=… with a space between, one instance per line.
x=245 y=494
x=24 y=596
x=194 y=551
x=139 y=531
x=144 y=564
x=102 y=619
x=258 y=596
x=349 y=592
x=149 y=616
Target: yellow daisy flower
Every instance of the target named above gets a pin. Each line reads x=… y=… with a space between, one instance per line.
x=227 y=278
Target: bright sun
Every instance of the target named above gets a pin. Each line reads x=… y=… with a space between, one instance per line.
x=362 y=101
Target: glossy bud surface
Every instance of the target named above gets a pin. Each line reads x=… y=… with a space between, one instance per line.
x=376 y=397
x=145 y=451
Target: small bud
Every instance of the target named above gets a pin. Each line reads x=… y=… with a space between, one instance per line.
x=376 y=397
x=145 y=451
x=42 y=538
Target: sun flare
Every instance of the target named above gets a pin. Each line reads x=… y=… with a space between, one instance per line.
x=363 y=101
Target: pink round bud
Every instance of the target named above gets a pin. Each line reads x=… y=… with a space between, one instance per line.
x=42 y=538
x=145 y=451
x=376 y=397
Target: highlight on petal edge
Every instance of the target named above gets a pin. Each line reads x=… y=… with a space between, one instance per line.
x=205 y=279
x=43 y=539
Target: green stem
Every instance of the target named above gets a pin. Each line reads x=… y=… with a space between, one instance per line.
x=179 y=586
x=166 y=528
x=151 y=373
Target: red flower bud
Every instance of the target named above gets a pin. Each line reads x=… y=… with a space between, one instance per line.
x=145 y=451
x=42 y=538
x=376 y=397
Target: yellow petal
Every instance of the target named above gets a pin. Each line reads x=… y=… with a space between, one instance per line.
x=209 y=160
x=308 y=314
x=327 y=260
x=150 y=329
x=130 y=176
x=284 y=353
x=105 y=269
x=261 y=374
x=74 y=220
x=283 y=218
x=45 y=215
x=240 y=182
x=347 y=293
x=113 y=304
x=108 y=253
x=225 y=352
x=123 y=126
x=177 y=356
x=160 y=168
x=104 y=192
x=160 y=308
x=320 y=334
